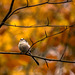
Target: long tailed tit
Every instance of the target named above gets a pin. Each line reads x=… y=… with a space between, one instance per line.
x=24 y=46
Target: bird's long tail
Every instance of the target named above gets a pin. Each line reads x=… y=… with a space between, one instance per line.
x=34 y=59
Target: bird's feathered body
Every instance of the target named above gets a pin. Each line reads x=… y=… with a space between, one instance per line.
x=24 y=46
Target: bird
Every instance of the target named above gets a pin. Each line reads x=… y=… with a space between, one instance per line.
x=24 y=46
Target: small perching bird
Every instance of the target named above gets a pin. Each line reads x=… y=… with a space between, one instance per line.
x=24 y=46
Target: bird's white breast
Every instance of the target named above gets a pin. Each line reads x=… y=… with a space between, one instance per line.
x=23 y=46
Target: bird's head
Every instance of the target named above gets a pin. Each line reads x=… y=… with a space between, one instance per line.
x=22 y=39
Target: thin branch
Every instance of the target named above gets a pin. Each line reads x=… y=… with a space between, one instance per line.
x=45 y=38
x=45 y=33
x=10 y=10
x=31 y=41
x=11 y=6
x=48 y=1
x=48 y=22
x=27 y=3
x=46 y=63
x=36 y=5
x=56 y=60
x=61 y=64
x=66 y=45
x=36 y=26
x=63 y=52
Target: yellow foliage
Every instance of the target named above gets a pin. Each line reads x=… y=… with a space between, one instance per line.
x=8 y=41
x=23 y=62
x=1 y=38
x=14 y=29
x=22 y=32
x=72 y=18
x=15 y=21
x=72 y=41
x=29 y=21
x=4 y=2
x=35 y=1
x=18 y=73
x=73 y=2
x=63 y=22
x=57 y=14
x=2 y=60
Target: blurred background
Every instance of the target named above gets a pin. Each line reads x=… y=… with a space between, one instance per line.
x=52 y=47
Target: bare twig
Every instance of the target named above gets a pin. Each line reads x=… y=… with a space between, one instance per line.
x=36 y=43
x=66 y=45
x=10 y=10
x=60 y=65
x=56 y=60
x=48 y=1
x=46 y=63
x=63 y=52
x=27 y=3
x=45 y=33
x=36 y=26
x=36 y=5
x=48 y=22
x=10 y=13
x=31 y=41
x=45 y=38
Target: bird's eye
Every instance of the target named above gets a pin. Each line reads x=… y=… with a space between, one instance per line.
x=21 y=39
